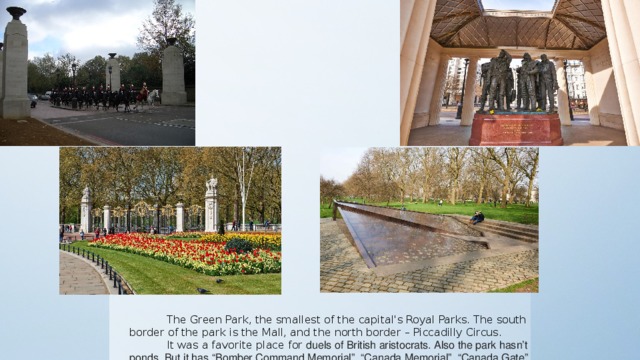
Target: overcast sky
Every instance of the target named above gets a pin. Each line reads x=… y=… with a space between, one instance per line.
x=339 y=163
x=85 y=28
x=542 y=5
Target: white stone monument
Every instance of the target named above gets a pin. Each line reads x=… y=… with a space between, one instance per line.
x=85 y=211
x=107 y=217
x=14 y=103
x=173 y=90
x=179 y=217
x=211 y=206
x=112 y=78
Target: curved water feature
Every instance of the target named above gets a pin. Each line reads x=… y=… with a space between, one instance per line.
x=387 y=236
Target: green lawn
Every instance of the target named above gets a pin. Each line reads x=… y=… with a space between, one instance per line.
x=150 y=276
x=527 y=286
x=513 y=212
x=327 y=212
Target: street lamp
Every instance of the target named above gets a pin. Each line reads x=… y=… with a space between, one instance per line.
x=464 y=81
x=73 y=69
x=74 y=99
x=110 y=70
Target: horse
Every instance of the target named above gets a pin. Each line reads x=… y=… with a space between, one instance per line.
x=153 y=95
x=125 y=98
x=114 y=100
x=141 y=98
x=103 y=97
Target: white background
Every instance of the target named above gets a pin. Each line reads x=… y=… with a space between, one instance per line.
x=307 y=76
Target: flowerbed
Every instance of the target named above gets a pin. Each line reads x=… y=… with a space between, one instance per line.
x=262 y=240
x=272 y=241
x=206 y=257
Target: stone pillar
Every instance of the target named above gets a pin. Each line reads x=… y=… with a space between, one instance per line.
x=592 y=100
x=624 y=57
x=469 y=92
x=412 y=54
x=179 y=217
x=173 y=91
x=85 y=211
x=438 y=91
x=1 y=69
x=211 y=206
x=427 y=85
x=115 y=73
x=107 y=218
x=14 y=103
x=563 y=100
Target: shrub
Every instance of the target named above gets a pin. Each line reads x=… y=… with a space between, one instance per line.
x=239 y=245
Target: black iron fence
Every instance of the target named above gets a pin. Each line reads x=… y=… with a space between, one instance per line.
x=118 y=281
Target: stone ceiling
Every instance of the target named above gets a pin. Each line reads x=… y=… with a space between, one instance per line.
x=571 y=25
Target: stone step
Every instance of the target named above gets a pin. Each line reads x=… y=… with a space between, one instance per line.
x=503 y=227
x=522 y=232
x=512 y=235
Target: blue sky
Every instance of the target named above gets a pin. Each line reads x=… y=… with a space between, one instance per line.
x=543 y=5
x=83 y=28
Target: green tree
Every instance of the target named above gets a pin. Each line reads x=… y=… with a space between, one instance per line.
x=123 y=177
x=64 y=64
x=42 y=73
x=145 y=68
x=70 y=185
x=36 y=80
x=329 y=190
x=167 y=20
x=125 y=70
x=92 y=72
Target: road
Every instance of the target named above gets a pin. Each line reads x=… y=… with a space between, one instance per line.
x=151 y=126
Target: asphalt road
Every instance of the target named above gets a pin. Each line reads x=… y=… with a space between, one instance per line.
x=151 y=126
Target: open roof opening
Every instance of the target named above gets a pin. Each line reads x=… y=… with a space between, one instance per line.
x=539 y=5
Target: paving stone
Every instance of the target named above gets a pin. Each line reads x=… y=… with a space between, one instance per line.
x=478 y=275
x=78 y=277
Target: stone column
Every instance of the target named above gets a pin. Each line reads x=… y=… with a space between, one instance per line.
x=469 y=92
x=107 y=217
x=173 y=90
x=1 y=69
x=563 y=100
x=438 y=91
x=179 y=217
x=624 y=57
x=427 y=85
x=412 y=54
x=85 y=211
x=592 y=101
x=406 y=8
x=14 y=102
x=115 y=73
x=211 y=206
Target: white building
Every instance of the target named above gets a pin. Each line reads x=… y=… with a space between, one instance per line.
x=576 y=82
